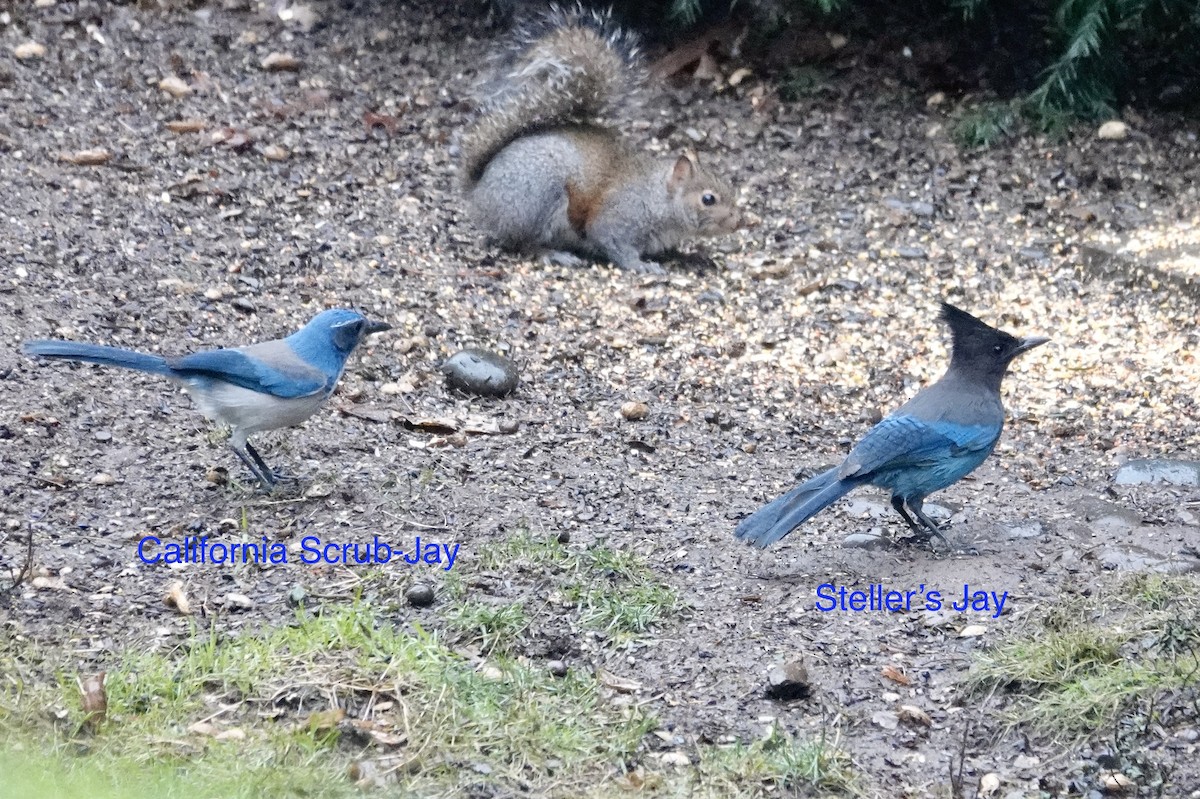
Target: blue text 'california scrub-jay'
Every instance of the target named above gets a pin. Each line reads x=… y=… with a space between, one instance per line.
x=935 y=439
x=263 y=386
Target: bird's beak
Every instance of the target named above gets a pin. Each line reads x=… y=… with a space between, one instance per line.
x=376 y=327
x=1030 y=342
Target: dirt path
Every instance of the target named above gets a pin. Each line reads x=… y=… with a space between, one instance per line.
x=769 y=364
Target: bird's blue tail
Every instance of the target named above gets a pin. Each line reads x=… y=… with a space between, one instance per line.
x=96 y=353
x=776 y=519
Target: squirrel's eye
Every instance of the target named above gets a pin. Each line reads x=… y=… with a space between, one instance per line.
x=709 y=198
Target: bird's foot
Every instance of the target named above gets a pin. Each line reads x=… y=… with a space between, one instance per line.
x=924 y=538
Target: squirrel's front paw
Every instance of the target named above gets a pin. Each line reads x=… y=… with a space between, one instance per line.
x=645 y=267
x=562 y=258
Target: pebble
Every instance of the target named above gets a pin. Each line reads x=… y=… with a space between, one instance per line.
x=866 y=541
x=281 y=62
x=1113 y=130
x=788 y=681
x=480 y=372
x=1158 y=470
x=27 y=50
x=174 y=86
x=104 y=479
x=419 y=595
x=1026 y=529
x=236 y=601
x=557 y=668
x=635 y=411
x=296 y=596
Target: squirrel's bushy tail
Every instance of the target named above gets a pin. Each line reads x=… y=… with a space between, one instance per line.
x=569 y=65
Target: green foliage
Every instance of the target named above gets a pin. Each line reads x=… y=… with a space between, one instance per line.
x=984 y=125
x=1088 y=56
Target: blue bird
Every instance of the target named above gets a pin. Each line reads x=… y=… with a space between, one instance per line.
x=263 y=386
x=930 y=442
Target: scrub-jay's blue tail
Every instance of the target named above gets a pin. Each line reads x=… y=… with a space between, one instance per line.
x=263 y=386
x=930 y=442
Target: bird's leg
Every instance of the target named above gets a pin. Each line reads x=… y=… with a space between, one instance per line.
x=276 y=477
x=916 y=505
x=254 y=463
x=898 y=504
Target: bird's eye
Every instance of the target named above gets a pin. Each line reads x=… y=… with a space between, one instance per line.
x=709 y=198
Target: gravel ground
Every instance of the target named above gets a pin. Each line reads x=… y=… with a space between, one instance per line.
x=335 y=184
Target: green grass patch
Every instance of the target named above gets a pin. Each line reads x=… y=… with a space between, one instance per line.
x=776 y=762
x=447 y=722
x=1095 y=658
x=613 y=591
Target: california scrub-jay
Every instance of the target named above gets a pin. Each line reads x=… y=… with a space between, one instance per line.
x=263 y=386
x=932 y=441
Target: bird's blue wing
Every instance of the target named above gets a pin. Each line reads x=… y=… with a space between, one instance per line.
x=285 y=377
x=901 y=441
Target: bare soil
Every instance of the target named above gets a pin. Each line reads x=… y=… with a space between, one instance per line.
x=336 y=186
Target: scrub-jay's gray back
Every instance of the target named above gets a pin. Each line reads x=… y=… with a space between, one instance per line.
x=930 y=442
x=263 y=386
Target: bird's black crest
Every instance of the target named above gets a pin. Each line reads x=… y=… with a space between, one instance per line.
x=961 y=321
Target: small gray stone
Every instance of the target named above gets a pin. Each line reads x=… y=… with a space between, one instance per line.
x=922 y=209
x=1107 y=517
x=480 y=372
x=788 y=681
x=419 y=595
x=557 y=668
x=1158 y=470
x=866 y=541
x=1027 y=529
x=297 y=596
x=912 y=253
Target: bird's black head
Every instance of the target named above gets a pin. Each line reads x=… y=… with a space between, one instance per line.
x=981 y=349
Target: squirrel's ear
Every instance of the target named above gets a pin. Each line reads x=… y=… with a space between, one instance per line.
x=685 y=168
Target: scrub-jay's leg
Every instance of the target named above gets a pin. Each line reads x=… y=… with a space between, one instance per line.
x=254 y=463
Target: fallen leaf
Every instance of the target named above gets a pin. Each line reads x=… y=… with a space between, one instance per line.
x=281 y=62
x=365 y=412
x=618 y=684
x=177 y=598
x=234 y=138
x=94 y=699
x=94 y=157
x=895 y=675
x=185 y=125
x=912 y=714
x=175 y=86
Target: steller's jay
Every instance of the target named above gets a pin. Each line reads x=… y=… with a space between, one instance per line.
x=935 y=439
x=263 y=386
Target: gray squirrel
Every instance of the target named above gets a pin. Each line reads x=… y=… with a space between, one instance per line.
x=541 y=176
